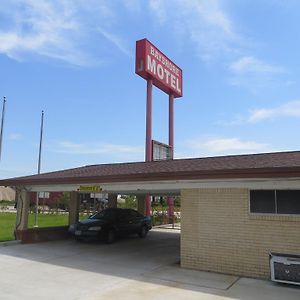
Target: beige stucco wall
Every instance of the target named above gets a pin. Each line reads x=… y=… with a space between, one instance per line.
x=219 y=234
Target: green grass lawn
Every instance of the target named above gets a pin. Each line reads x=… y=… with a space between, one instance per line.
x=8 y=222
x=49 y=220
x=7 y=225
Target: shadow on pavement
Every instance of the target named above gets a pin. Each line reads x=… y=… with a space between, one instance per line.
x=152 y=260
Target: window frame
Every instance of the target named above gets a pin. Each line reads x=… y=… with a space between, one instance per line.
x=276 y=206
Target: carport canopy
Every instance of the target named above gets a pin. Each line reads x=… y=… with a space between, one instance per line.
x=167 y=177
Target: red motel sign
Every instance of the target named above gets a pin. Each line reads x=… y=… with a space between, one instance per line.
x=153 y=64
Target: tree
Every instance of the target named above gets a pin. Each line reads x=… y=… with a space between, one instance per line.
x=130 y=202
x=64 y=201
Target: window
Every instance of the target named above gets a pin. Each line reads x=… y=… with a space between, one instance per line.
x=288 y=202
x=275 y=201
x=262 y=202
x=134 y=214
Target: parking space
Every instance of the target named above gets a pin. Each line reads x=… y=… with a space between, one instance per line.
x=132 y=268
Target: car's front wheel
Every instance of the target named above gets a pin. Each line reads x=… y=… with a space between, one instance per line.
x=143 y=232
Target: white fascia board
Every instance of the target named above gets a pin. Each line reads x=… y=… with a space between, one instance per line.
x=174 y=186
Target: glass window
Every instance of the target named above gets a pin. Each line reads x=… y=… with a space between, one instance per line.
x=134 y=214
x=107 y=214
x=262 y=201
x=288 y=202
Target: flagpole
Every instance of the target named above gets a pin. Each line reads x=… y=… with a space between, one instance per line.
x=2 y=124
x=41 y=141
x=39 y=170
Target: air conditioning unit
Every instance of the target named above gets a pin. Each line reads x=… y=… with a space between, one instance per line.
x=285 y=268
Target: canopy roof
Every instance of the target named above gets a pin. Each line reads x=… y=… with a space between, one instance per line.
x=265 y=165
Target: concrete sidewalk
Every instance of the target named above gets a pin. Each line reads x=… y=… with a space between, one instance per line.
x=129 y=269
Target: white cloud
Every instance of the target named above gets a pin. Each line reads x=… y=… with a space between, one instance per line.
x=15 y=136
x=41 y=27
x=289 y=83
x=97 y=148
x=212 y=146
x=289 y=109
x=58 y=29
x=249 y=64
x=159 y=8
x=224 y=145
x=115 y=40
x=133 y=5
x=216 y=37
x=255 y=74
x=205 y=23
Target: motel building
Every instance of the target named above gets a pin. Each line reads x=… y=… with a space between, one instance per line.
x=240 y=214
x=235 y=210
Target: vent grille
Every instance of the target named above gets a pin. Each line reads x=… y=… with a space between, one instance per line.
x=285 y=268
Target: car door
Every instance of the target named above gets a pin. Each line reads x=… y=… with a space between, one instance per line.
x=135 y=221
x=125 y=222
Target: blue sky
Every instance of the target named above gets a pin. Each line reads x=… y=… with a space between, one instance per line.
x=75 y=60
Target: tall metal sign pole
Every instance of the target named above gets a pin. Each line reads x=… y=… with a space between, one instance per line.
x=170 y=200
x=171 y=124
x=148 y=153
x=158 y=70
x=2 y=124
x=39 y=170
x=148 y=138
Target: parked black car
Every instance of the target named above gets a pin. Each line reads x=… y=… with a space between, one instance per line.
x=110 y=224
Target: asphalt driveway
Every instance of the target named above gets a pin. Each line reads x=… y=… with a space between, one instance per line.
x=129 y=269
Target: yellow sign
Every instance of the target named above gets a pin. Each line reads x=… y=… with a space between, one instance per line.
x=90 y=188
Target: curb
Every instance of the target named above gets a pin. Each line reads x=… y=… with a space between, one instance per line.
x=166 y=227
x=10 y=243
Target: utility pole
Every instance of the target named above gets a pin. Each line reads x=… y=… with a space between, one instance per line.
x=39 y=170
x=2 y=124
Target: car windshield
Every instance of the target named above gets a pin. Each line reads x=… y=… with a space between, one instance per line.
x=105 y=214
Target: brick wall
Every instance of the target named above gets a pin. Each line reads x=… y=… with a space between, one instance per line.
x=219 y=234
